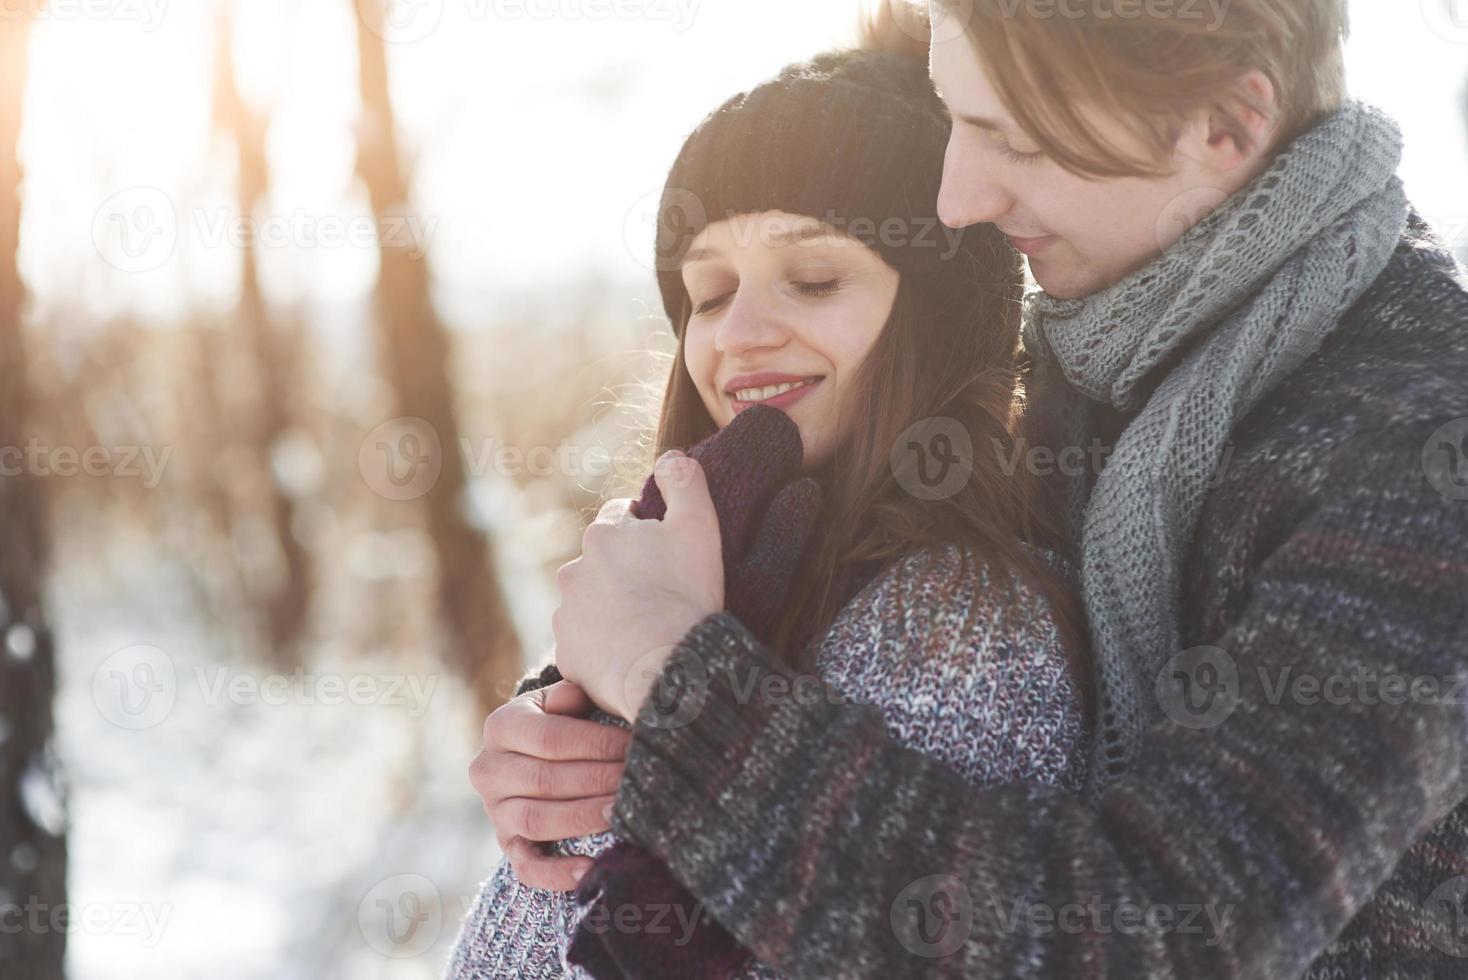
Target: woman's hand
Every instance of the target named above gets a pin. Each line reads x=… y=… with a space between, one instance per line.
x=638 y=588
x=546 y=774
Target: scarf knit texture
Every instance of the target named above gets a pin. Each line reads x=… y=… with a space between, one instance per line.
x=1318 y=827
x=1234 y=307
x=954 y=668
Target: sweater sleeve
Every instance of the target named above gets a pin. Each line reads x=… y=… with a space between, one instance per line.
x=987 y=694
x=542 y=676
x=960 y=669
x=514 y=930
x=1241 y=849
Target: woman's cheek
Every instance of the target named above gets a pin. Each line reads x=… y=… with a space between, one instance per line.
x=698 y=366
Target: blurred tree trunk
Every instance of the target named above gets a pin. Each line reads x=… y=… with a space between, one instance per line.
x=483 y=645
x=286 y=597
x=32 y=825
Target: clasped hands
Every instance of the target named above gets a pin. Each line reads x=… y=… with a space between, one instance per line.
x=638 y=588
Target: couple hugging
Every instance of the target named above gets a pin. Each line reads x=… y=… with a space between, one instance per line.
x=845 y=692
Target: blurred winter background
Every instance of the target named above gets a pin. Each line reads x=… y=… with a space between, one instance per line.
x=323 y=332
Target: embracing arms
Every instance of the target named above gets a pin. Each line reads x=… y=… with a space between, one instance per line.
x=1241 y=849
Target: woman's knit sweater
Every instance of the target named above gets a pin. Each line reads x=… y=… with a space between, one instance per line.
x=968 y=674
x=1316 y=828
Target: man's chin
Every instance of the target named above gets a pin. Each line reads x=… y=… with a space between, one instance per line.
x=1061 y=282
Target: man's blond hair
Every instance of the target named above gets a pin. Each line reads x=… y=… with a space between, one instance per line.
x=1148 y=64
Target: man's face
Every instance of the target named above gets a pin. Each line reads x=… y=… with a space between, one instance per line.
x=1081 y=234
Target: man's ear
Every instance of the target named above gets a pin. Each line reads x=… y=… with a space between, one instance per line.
x=1221 y=149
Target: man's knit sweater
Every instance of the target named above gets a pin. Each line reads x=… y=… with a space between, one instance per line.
x=1307 y=832
x=967 y=674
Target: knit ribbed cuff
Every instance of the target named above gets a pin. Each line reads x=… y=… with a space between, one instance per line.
x=720 y=706
x=543 y=676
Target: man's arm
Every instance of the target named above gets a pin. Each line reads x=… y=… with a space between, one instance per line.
x=1236 y=850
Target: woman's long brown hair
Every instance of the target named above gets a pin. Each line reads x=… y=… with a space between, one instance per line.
x=956 y=363
x=949 y=350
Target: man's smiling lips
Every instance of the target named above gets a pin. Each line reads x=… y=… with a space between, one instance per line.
x=769 y=379
x=1031 y=246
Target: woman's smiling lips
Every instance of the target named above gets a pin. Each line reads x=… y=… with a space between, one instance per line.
x=766 y=379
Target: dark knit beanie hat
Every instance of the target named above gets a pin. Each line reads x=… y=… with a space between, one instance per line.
x=852 y=138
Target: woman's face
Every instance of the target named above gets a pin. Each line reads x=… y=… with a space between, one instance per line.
x=782 y=299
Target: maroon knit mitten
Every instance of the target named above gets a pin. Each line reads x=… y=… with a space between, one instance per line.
x=675 y=937
x=765 y=523
x=765 y=520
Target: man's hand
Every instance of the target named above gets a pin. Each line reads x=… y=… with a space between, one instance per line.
x=546 y=773
x=638 y=588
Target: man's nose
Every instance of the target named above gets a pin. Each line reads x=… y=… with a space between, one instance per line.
x=970 y=194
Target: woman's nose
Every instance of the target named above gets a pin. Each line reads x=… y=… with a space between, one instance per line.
x=750 y=322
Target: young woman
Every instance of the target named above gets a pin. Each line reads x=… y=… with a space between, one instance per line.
x=804 y=271
x=1242 y=311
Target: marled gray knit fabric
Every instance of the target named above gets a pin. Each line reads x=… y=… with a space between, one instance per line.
x=1243 y=299
x=959 y=670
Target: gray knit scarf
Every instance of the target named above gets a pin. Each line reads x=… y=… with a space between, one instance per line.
x=1231 y=309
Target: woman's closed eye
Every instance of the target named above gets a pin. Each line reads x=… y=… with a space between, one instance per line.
x=709 y=306
x=825 y=288
x=814 y=289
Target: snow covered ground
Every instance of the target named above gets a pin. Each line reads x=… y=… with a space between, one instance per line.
x=228 y=822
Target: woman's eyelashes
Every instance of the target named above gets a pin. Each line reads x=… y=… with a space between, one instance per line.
x=825 y=288
x=812 y=289
x=709 y=306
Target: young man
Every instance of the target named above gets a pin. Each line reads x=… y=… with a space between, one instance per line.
x=1249 y=379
